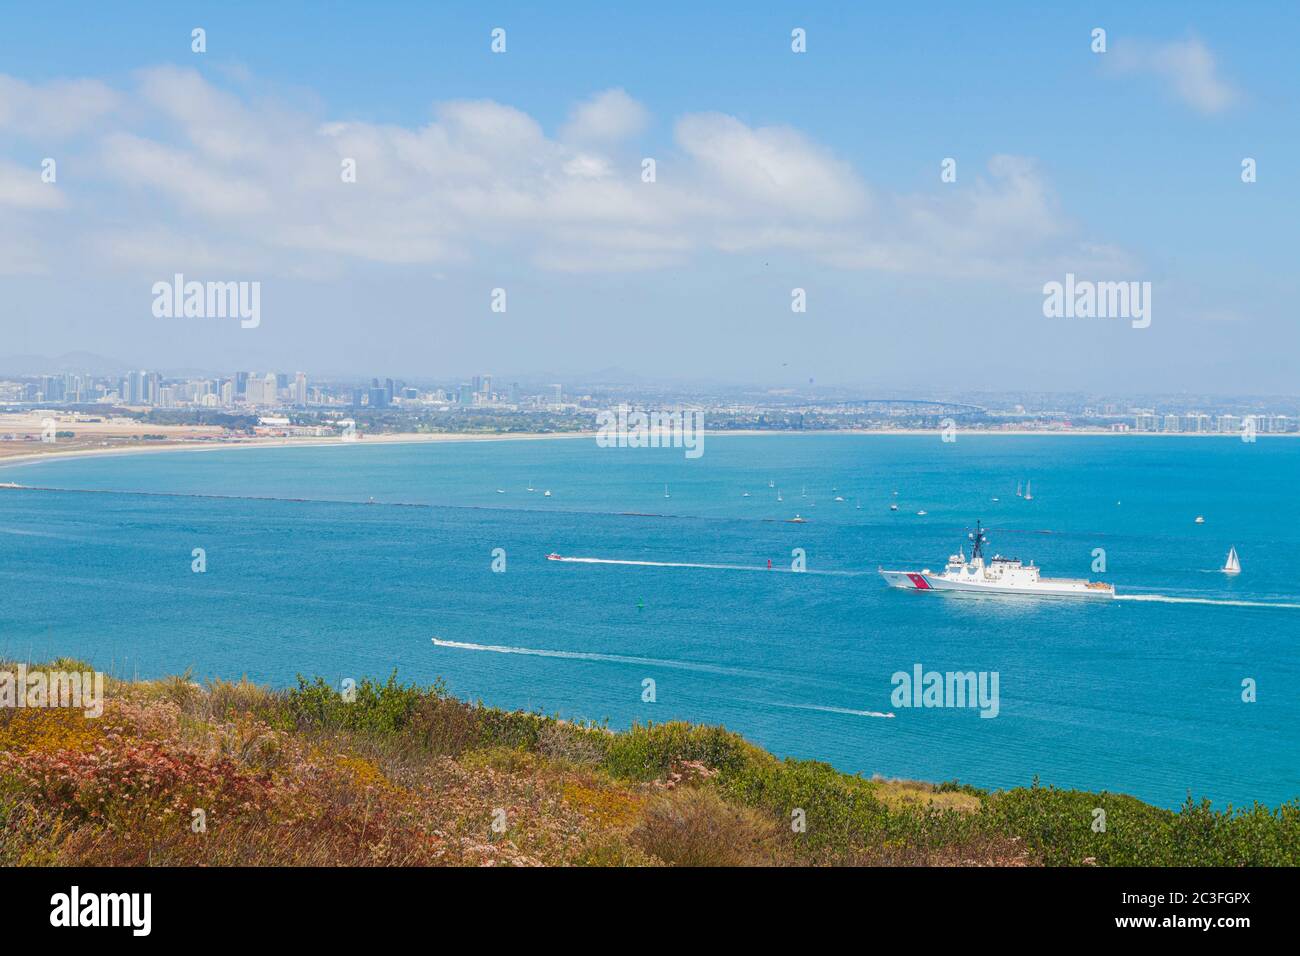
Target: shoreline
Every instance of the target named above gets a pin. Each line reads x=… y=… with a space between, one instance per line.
x=416 y=438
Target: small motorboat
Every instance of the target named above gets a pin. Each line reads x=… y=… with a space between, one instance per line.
x=554 y=557
x=893 y=507
x=546 y=493
x=798 y=519
x=922 y=514
x=1200 y=519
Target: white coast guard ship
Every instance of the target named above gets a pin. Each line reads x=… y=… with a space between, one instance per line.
x=998 y=575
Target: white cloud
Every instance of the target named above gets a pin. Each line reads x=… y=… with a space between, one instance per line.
x=1188 y=68
x=22 y=188
x=221 y=177
x=607 y=117
x=772 y=168
x=53 y=110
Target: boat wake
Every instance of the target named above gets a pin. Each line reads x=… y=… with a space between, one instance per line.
x=1166 y=599
x=825 y=708
x=589 y=656
x=652 y=662
x=707 y=567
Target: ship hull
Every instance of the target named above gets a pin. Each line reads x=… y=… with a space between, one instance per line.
x=923 y=581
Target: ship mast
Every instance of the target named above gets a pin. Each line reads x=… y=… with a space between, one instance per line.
x=977 y=540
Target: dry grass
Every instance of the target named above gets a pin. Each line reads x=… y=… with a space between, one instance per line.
x=693 y=826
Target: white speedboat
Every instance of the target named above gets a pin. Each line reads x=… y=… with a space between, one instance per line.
x=998 y=575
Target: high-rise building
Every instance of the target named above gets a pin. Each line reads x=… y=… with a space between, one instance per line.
x=557 y=395
x=300 y=390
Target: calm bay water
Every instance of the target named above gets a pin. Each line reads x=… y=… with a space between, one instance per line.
x=1142 y=697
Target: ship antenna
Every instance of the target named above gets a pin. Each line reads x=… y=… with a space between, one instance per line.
x=978 y=538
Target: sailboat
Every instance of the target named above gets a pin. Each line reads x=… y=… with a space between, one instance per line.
x=1232 y=565
x=666 y=494
x=530 y=484
x=778 y=495
x=1029 y=495
x=1020 y=492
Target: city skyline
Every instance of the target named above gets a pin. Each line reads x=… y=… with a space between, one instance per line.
x=256 y=392
x=780 y=174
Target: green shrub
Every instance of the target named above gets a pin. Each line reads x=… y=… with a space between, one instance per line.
x=381 y=709
x=649 y=751
x=838 y=809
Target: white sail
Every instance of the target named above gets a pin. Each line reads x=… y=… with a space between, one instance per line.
x=1029 y=495
x=1232 y=565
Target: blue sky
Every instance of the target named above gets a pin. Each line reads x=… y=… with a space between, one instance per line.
x=817 y=170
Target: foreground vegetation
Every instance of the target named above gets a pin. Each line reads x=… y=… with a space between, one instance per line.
x=177 y=773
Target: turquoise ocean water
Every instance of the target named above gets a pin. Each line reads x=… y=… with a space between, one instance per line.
x=305 y=575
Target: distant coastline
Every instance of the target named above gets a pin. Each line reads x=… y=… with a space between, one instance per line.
x=413 y=438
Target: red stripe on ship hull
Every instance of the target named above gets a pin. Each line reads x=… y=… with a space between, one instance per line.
x=921 y=583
